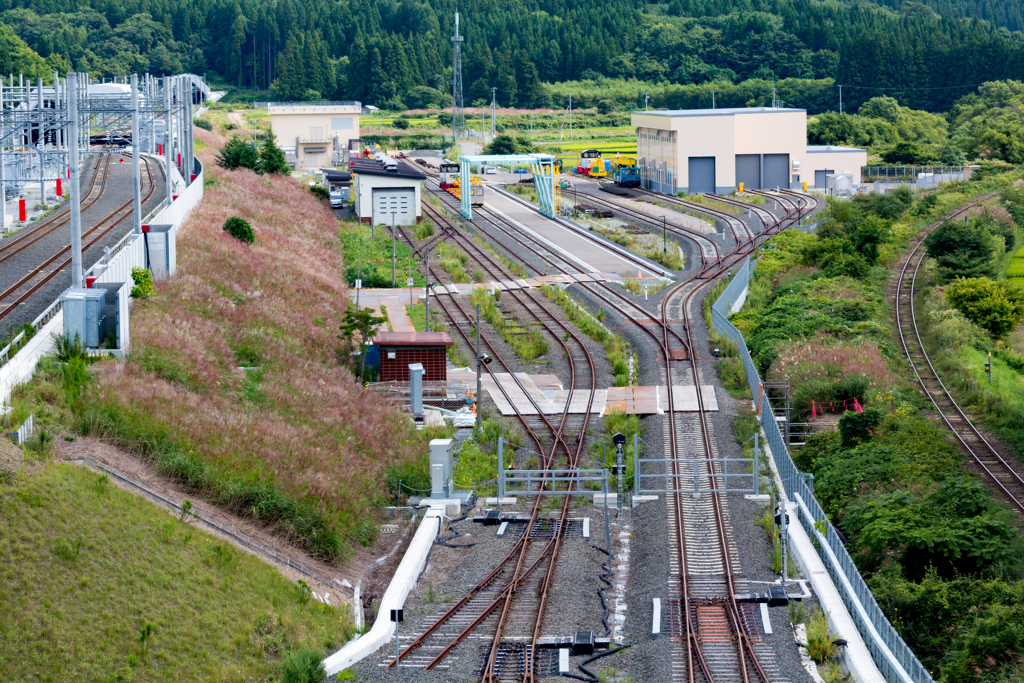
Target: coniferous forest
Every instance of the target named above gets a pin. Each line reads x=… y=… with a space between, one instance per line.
x=397 y=53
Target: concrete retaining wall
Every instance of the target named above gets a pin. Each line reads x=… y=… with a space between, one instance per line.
x=405 y=578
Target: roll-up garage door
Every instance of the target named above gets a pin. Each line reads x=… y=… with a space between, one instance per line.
x=398 y=200
x=702 y=175
x=776 y=171
x=820 y=180
x=748 y=171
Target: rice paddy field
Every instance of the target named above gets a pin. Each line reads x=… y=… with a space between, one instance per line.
x=1015 y=272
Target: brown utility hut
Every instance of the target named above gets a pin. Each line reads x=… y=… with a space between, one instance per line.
x=399 y=349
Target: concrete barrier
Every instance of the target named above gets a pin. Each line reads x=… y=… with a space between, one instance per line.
x=409 y=570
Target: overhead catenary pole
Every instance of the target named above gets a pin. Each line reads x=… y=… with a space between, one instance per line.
x=393 y=249
x=75 y=190
x=840 y=100
x=40 y=140
x=191 y=132
x=3 y=172
x=168 y=132
x=136 y=153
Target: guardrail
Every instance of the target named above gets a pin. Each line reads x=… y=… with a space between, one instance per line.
x=890 y=653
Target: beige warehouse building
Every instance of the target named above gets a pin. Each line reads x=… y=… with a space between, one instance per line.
x=714 y=150
x=314 y=134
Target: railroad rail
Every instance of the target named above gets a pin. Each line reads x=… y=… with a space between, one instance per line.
x=995 y=466
x=96 y=232
x=506 y=584
x=26 y=238
x=705 y=621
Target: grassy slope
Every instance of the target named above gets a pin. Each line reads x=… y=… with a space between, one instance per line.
x=297 y=444
x=218 y=614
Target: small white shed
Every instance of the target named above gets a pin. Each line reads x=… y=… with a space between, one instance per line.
x=387 y=191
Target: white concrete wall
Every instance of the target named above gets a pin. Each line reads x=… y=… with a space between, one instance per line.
x=722 y=135
x=839 y=160
x=408 y=572
x=301 y=122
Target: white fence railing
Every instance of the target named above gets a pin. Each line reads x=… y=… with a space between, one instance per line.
x=128 y=253
x=890 y=653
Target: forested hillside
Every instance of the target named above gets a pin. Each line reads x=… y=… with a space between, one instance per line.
x=396 y=53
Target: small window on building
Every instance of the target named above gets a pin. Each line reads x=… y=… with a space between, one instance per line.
x=344 y=123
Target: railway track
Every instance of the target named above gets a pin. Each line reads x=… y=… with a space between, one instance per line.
x=995 y=466
x=26 y=238
x=715 y=630
x=511 y=600
x=35 y=278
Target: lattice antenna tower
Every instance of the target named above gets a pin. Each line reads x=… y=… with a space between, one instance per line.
x=458 y=110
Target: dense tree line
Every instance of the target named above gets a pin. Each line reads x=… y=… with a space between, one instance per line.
x=386 y=52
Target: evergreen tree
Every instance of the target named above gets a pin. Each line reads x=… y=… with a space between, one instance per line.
x=238 y=153
x=272 y=158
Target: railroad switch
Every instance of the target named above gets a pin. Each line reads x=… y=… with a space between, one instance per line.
x=581 y=643
x=490 y=518
x=775 y=597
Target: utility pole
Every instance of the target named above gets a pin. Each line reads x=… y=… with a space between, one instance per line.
x=570 y=116
x=774 y=100
x=393 y=249
x=713 y=98
x=664 y=234
x=479 y=384
x=426 y=290
x=531 y=126
x=494 y=100
x=647 y=97
x=840 y=100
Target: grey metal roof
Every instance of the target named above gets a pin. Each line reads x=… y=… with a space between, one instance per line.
x=722 y=112
x=832 y=148
x=373 y=167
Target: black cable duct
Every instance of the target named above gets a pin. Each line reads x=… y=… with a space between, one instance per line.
x=583 y=665
x=443 y=540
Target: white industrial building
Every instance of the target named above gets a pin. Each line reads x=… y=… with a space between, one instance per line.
x=387 y=191
x=314 y=134
x=715 y=150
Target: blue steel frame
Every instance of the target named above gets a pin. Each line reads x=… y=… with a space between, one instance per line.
x=542 y=165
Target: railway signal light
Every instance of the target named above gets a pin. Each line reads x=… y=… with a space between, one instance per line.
x=988 y=367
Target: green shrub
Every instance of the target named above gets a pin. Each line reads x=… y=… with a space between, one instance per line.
x=996 y=306
x=143 y=279
x=820 y=645
x=424 y=229
x=240 y=229
x=320 y=191
x=204 y=124
x=303 y=665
